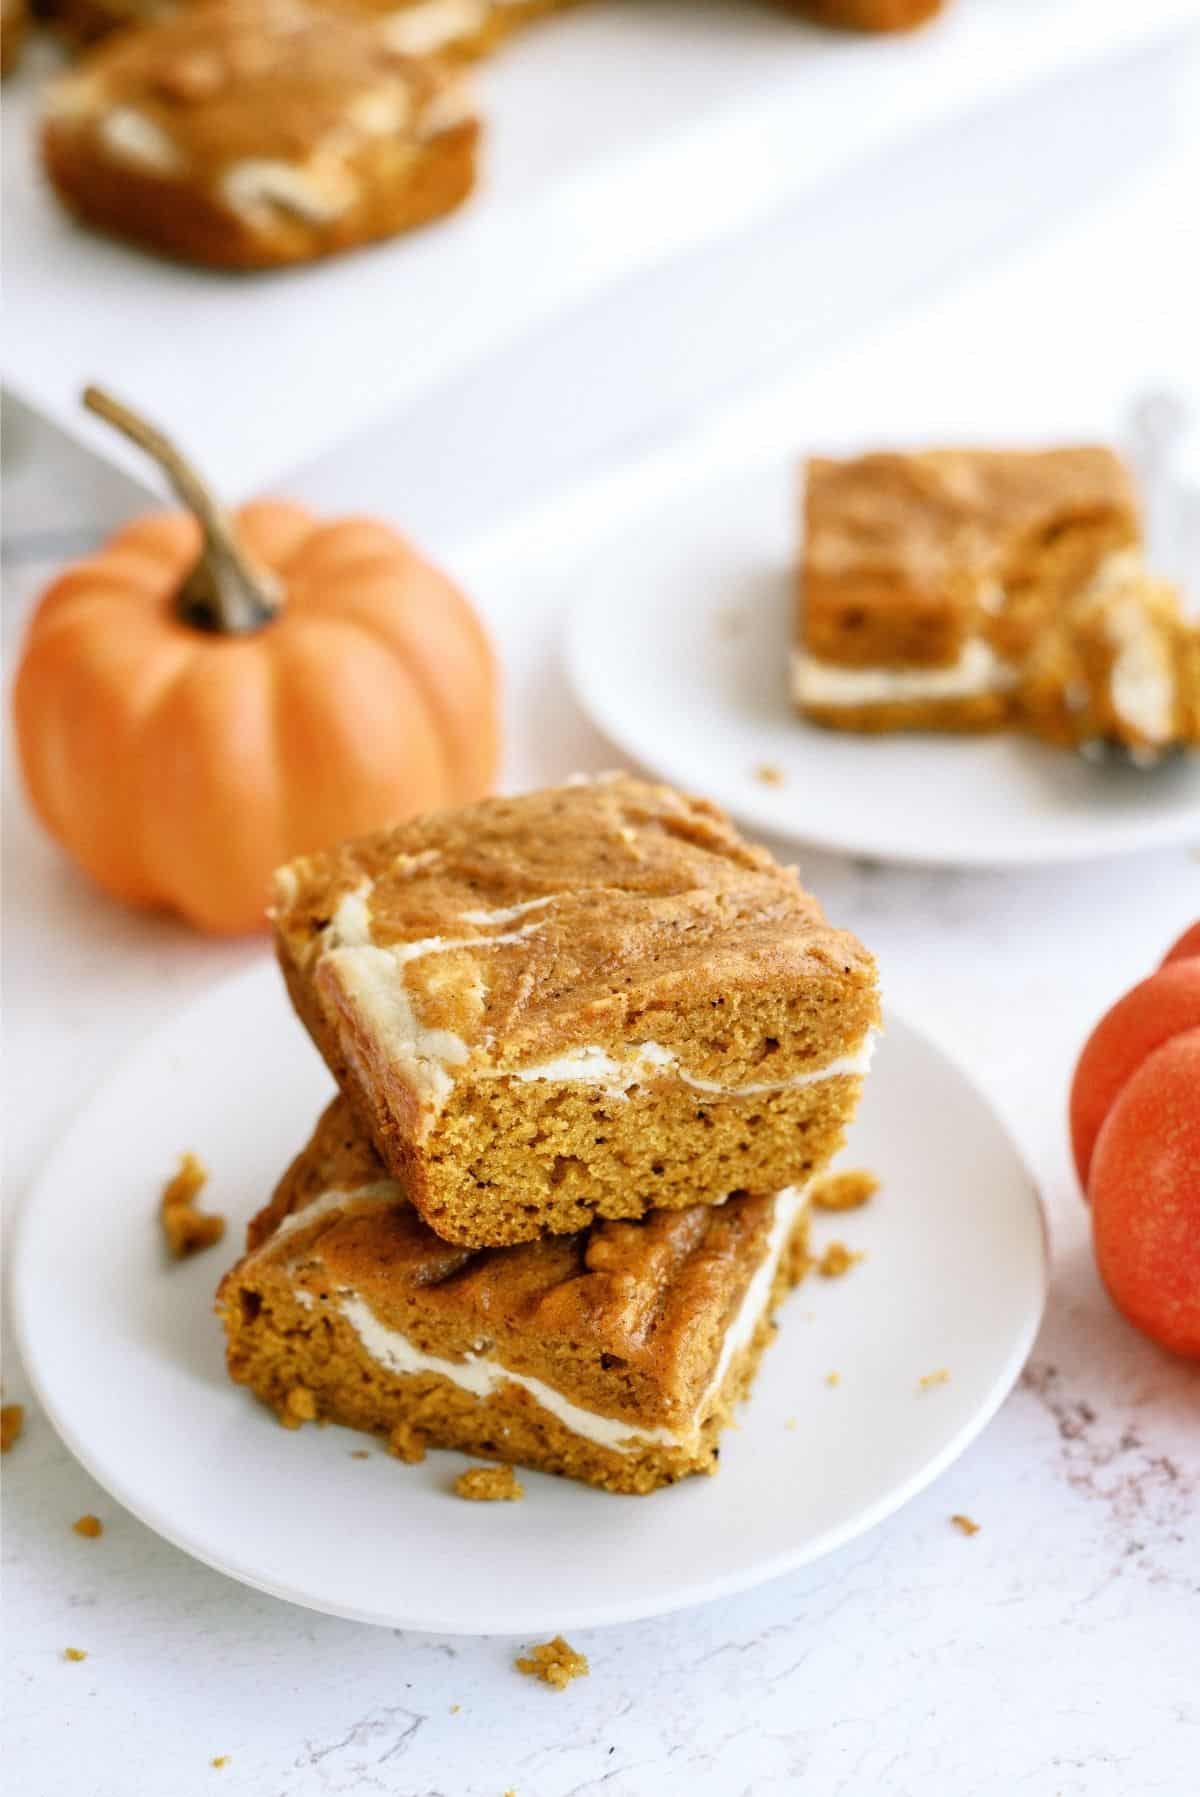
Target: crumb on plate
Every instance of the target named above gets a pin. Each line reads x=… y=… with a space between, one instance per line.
x=927 y=1381
x=300 y=1406
x=555 y=1662
x=360 y=1453
x=406 y=1443
x=833 y=1378
x=221 y=1759
x=836 y=1260
x=12 y=1421
x=489 y=1485
x=188 y=1230
x=844 y=1191
x=75 y=1653
x=770 y=773
x=967 y=1524
x=88 y=1526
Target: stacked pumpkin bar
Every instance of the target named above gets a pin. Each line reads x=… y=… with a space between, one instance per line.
x=593 y=1050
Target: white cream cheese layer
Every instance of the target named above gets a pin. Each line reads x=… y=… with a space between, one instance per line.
x=1141 y=681
x=616 y=1075
x=481 y=1376
x=977 y=671
x=372 y=980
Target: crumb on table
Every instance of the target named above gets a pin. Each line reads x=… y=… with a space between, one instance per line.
x=221 y=1759
x=770 y=773
x=12 y=1421
x=89 y=1526
x=74 y=1653
x=555 y=1662
x=836 y=1260
x=927 y=1381
x=406 y=1443
x=966 y=1523
x=188 y=1230
x=300 y=1406
x=489 y=1485
x=844 y=1191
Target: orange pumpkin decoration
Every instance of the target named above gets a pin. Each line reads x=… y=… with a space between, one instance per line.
x=208 y=697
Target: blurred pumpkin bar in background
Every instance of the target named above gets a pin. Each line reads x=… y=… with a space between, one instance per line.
x=211 y=694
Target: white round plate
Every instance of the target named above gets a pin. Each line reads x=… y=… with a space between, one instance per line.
x=126 y=1357
x=678 y=648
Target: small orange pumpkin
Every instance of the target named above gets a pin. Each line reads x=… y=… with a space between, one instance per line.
x=207 y=697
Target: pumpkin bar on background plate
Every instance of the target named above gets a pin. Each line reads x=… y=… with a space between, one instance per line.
x=593 y=1001
x=255 y=133
x=614 y=1355
x=925 y=579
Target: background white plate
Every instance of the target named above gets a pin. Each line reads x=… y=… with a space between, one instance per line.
x=617 y=137
x=126 y=1358
x=678 y=648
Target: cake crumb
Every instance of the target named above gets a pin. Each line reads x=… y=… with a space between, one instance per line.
x=12 y=1422
x=221 y=1759
x=455 y=1708
x=844 y=1191
x=300 y=1406
x=89 y=1526
x=489 y=1485
x=555 y=1662
x=791 y=1423
x=833 y=1378
x=406 y=1443
x=836 y=1260
x=770 y=773
x=75 y=1653
x=188 y=1230
x=965 y=1523
x=360 y=1454
x=939 y=1377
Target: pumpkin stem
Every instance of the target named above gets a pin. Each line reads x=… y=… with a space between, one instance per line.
x=226 y=591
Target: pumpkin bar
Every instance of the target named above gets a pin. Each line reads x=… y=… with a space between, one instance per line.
x=588 y=1002
x=1119 y=666
x=454 y=28
x=925 y=579
x=253 y=133
x=614 y=1355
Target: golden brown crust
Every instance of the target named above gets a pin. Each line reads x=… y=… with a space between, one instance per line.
x=252 y=133
x=627 y=1317
x=592 y=1001
x=873 y=15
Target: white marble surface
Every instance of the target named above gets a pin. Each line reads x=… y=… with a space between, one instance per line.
x=1055 y=1651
